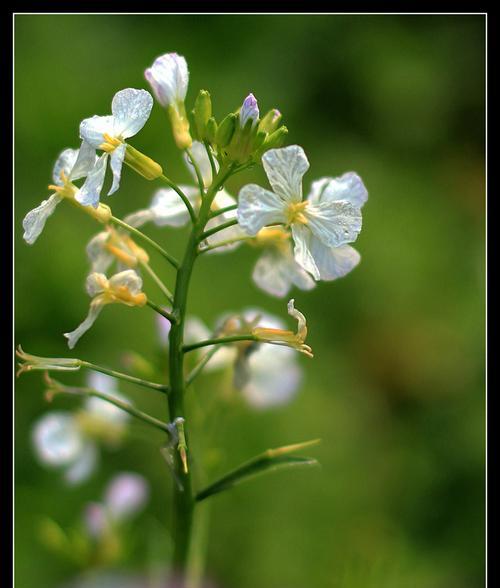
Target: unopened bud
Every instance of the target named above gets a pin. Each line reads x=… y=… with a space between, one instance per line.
x=270 y=121
x=211 y=130
x=226 y=130
x=202 y=112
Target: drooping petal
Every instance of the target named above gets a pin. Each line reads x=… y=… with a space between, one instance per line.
x=335 y=222
x=275 y=272
x=75 y=335
x=97 y=254
x=333 y=262
x=34 y=221
x=56 y=438
x=169 y=210
x=258 y=207
x=64 y=163
x=347 y=187
x=90 y=193
x=116 y=163
x=169 y=78
x=82 y=468
x=84 y=162
x=201 y=158
x=92 y=129
x=131 y=109
x=301 y=237
x=128 y=279
x=285 y=168
x=126 y=494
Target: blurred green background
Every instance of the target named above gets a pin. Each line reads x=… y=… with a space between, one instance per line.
x=396 y=388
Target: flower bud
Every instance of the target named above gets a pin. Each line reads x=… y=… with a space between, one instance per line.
x=142 y=164
x=226 y=130
x=202 y=113
x=272 y=141
x=249 y=111
x=211 y=130
x=271 y=121
x=169 y=78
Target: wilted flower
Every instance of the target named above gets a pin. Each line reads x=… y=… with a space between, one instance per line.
x=72 y=164
x=34 y=362
x=123 y=288
x=67 y=440
x=328 y=219
x=130 y=110
x=114 y=244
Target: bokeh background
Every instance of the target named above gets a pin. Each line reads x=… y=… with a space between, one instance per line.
x=396 y=388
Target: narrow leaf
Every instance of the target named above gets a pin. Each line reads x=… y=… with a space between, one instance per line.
x=269 y=461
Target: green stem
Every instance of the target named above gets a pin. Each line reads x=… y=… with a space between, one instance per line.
x=199 y=177
x=158 y=281
x=218 y=228
x=198 y=368
x=219 y=341
x=145 y=238
x=170 y=316
x=183 y=499
x=210 y=158
x=223 y=243
x=183 y=197
x=220 y=211
x=139 y=381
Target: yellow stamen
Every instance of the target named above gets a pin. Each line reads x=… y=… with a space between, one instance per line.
x=110 y=143
x=294 y=213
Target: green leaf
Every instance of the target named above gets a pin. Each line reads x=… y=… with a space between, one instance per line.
x=269 y=461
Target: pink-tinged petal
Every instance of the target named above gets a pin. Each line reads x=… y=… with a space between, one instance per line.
x=131 y=109
x=285 y=169
x=126 y=495
x=169 y=78
x=347 y=187
x=335 y=222
x=34 y=221
x=249 y=110
x=258 y=207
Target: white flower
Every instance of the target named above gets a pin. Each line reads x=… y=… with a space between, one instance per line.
x=100 y=409
x=169 y=78
x=123 y=288
x=328 y=219
x=114 y=245
x=167 y=209
x=72 y=164
x=125 y=495
x=130 y=110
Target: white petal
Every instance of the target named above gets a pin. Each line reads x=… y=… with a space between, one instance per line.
x=95 y=284
x=131 y=109
x=116 y=162
x=335 y=222
x=169 y=210
x=103 y=383
x=196 y=331
x=169 y=78
x=83 y=467
x=333 y=262
x=90 y=193
x=105 y=411
x=301 y=237
x=139 y=218
x=57 y=439
x=222 y=200
x=84 y=162
x=92 y=129
x=275 y=272
x=34 y=221
x=97 y=254
x=64 y=163
x=73 y=337
x=126 y=495
x=348 y=187
x=130 y=279
x=201 y=158
x=258 y=207
x=285 y=168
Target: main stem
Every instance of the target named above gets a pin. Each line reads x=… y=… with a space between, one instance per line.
x=183 y=499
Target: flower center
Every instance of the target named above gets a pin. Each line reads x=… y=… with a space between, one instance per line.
x=295 y=213
x=110 y=143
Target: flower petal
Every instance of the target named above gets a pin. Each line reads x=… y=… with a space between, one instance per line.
x=249 y=111
x=94 y=310
x=258 y=207
x=222 y=200
x=169 y=210
x=285 y=169
x=97 y=254
x=92 y=129
x=95 y=284
x=333 y=262
x=276 y=272
x=56 y=438
x=347 y=187
x=335 y=222
x=34 y=221
x=84 y=162
x=301 y=237
x=126 y=495
x=64 y=163
x=128 y=278
x=83 y=467
x=90 y=193
x=139 y=218
x=201 y=158
x=131 y=109
x=116 y=163
x=169 y=78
